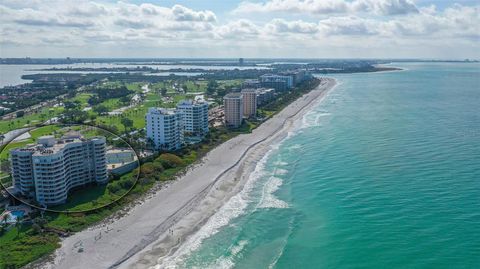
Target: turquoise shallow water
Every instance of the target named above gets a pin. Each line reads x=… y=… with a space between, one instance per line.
x=385 y=173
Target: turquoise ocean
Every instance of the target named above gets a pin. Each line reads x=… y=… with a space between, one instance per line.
x=384 y=173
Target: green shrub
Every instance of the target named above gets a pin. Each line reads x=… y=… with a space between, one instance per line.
x=113 y=188
x=145 y=181
x=127 y=183
x=169 y=160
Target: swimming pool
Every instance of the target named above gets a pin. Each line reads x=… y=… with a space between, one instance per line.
x=14 y=215
x=17 y=213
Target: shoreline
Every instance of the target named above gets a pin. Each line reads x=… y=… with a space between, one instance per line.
x=145 y=232
x=186 y=229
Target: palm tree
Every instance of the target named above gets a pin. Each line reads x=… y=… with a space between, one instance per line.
x=5 y=218
x=18 y=224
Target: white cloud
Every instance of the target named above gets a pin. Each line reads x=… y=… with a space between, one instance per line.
x=182 y=13
x=239 y=29
x=297 y=6
x=384 y=7
x=353 y=26
x=87 y=9
x=319 y=7
x=455 y=22
x=89 y=26
x=105 y=22
x=283 y=26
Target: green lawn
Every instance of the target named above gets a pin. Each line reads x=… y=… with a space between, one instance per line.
x=21 y=245
x=196 y=86
x=82 y=98
x=135 y=86
x=153 y=99
x=137 y=114
x=44 y=130
x=6 y=151
x=112 y=104
x=191 y=86
x=29 y=120
x=84 y=199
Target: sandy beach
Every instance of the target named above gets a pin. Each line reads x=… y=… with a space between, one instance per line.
x=157 y=229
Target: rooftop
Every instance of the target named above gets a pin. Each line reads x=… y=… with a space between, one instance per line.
x=190 y=102
x=272 y=76
x=162 y=111
x=120 y=150
x=47 y=145
x=265 y=89
x=233 y=95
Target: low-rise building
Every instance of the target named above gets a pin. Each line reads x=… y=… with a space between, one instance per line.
x=47 y=171
x=120 y=156
x=165 y=128
x=249 y=102
x=233 y=109
x=121 y=160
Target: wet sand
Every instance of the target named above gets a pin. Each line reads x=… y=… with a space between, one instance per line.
x=156 y=228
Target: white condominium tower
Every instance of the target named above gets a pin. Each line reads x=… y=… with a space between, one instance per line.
x=194 y=116
x=48 y=170
x=165 y=128
x=233 y=107
x=249 y=102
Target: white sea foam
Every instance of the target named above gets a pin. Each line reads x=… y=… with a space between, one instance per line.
x=280 y=171
x=222 y=263
x=313 y=118
x=281 y=250
x=232 y=209
x=227 y=262
x=238 y=248
x=269 y=200
x=295 y=146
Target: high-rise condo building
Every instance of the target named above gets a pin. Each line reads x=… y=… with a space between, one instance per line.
x=48 y=170
x=233 y=108
x=298 y=76
x=165 y=128
x=265 y=96
x=251 y=83
x=249 y=102
x=278 y=82
x=194 y=116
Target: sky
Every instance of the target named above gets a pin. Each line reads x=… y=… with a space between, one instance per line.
x=425 y=29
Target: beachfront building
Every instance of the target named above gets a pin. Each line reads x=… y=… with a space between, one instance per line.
x=165 y=128
x=251 y=83
x=233 y=109
x=48 y=170
x=249 y=102
x=194 y=116
x=278 y=82
x=265 y=95
x=298 y=76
